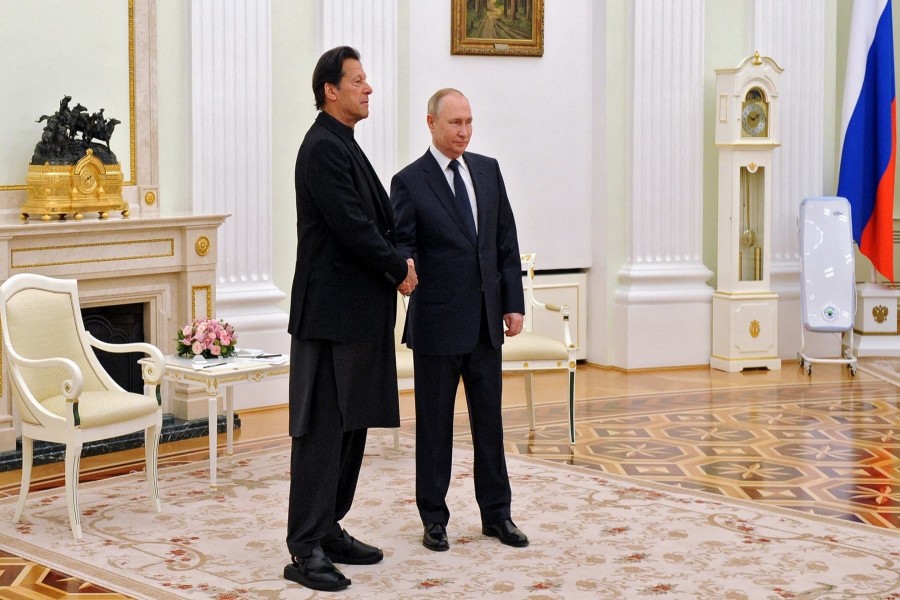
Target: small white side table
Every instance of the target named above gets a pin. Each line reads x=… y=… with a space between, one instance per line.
x=225 y=376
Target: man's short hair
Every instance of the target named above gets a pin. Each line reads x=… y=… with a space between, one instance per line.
x=435 y=100
x=330 y=69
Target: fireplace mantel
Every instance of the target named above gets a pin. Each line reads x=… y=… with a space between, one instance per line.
x=168 y=263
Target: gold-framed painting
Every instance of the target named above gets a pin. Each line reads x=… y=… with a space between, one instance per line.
x=497 y=27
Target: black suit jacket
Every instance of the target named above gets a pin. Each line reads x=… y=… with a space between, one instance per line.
x=455 y=274
x=347 y=272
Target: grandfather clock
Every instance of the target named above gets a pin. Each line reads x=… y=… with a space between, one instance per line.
x=745 y=310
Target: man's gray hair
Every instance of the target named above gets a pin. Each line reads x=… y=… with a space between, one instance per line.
x=435 y=100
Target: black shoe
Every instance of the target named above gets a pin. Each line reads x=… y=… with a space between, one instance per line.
x=348 y=550
x=508 y=533
x=316 y=572
x=435 y=537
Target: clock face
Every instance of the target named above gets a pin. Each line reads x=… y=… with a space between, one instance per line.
x=87 y=180
x=753 y=119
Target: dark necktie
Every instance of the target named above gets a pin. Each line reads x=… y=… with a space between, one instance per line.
x=462 y=200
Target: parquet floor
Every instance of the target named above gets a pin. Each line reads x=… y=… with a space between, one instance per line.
x=829 y=444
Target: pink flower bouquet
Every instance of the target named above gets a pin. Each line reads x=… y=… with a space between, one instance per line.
x=209 y=338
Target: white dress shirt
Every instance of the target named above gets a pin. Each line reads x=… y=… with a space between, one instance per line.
x=444 y=163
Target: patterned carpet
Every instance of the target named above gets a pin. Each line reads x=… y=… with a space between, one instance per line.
x=829 y=449
x=591 y=535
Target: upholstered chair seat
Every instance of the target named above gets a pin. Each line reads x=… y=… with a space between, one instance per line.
x=529 y=346
x=104 y=407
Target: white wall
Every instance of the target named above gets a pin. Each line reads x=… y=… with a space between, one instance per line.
x=533 y=114
x=173 y=96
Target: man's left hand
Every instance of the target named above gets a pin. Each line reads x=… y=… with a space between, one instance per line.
x=514 y=323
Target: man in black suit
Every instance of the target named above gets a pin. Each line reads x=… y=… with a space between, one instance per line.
x=455 y=220
x=343 y=375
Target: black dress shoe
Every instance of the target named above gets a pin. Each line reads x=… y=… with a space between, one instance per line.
x=315 y=572
x=508 y=533
x=435 y=537
x=348 y=550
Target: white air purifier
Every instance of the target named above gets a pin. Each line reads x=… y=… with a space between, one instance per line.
x=827 y=274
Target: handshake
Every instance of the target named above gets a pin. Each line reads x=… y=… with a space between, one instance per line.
x=409 y=284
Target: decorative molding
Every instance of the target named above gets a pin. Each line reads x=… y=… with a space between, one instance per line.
x=166 y=249
x=207 y=289
x=202 y=245
x=132 y=112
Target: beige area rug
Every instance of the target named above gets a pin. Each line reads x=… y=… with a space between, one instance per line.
x=884 y=368
x=592 y=536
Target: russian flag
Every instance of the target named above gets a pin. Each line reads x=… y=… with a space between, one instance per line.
x=869 y=132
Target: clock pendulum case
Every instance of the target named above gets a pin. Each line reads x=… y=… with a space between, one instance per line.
x=745 y=310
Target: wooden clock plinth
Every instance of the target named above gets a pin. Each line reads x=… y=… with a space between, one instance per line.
x=750 y=321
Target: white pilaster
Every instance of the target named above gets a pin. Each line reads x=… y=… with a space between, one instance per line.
x=231 y=89
x=662 y=307
x=793 y=33
x=371 y=28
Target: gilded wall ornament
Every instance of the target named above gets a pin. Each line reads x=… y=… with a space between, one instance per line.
x=202 y=245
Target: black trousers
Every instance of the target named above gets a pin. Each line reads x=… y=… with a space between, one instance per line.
x=436 y=381
x=325 y=461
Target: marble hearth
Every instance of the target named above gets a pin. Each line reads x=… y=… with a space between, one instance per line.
x=166 y=263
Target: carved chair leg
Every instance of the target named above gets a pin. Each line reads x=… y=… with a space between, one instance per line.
x=529 y=399
x=73 y=462
x=571 y=406
x=27 y=459
x=151 y=458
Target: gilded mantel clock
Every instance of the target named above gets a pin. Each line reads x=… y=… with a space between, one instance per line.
x=745 y=310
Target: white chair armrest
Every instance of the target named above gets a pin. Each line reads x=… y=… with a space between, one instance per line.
x=567 y=333
x=71 y=387
x=152 y=368
x=563 y=309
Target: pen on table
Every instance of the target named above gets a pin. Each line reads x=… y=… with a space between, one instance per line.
x=267 y=356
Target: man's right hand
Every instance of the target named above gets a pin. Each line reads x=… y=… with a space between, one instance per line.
x=409 y=284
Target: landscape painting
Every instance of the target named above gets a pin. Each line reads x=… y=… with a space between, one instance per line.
x=498 y=27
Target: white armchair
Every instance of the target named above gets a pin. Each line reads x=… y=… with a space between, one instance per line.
x=62 y=393
x=529 y=351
